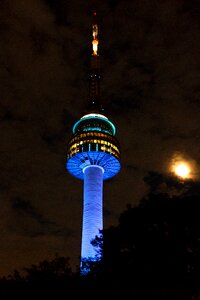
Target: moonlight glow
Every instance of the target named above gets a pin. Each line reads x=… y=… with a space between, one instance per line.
x=182 y=169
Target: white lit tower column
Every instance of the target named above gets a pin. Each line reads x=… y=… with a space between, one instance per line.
x=93 y=155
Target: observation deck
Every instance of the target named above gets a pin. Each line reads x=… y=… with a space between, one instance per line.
x=93 y=143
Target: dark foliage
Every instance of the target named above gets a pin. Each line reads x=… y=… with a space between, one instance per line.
x=154 y=252
x=46 y=279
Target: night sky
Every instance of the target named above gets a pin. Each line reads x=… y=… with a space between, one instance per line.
x=150 y=89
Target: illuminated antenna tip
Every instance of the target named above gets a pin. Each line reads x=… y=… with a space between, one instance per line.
x=95 y=34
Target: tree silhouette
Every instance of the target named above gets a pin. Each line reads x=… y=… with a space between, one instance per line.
x=47 y=278
x=57 y=269
x=155 y=249
x=153 y=252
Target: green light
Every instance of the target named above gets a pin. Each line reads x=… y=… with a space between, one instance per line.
x=94 y=117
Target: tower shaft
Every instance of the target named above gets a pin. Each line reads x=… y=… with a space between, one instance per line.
x=92 y=209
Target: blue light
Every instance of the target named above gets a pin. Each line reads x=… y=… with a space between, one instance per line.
x=92 y=209
x=90 y=129
x=93 y=157
x=108 y=162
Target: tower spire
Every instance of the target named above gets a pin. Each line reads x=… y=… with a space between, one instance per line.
x=94 y=104
x=95 y=34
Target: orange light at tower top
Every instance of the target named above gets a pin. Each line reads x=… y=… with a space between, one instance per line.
x=95 y=34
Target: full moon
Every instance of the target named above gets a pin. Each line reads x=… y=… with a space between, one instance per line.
x=182 y=170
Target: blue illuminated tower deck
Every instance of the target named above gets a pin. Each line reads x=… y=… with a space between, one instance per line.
x=93 y=155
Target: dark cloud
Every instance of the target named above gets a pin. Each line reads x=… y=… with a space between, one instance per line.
x=21 y=205
x=30 y=222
